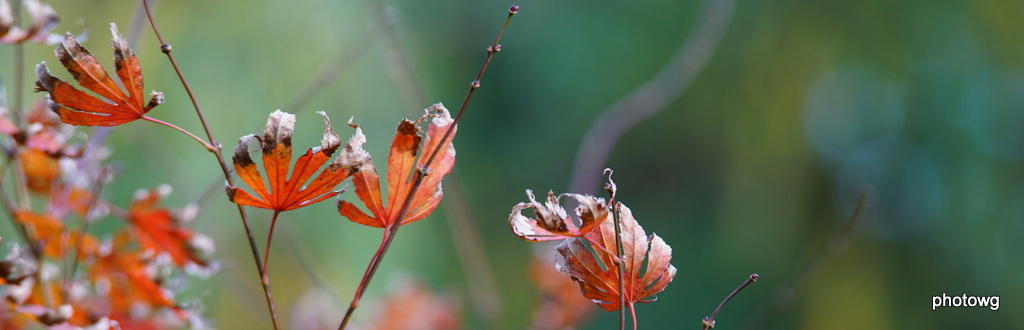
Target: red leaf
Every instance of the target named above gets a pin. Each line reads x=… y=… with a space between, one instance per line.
x=160 y=230
x=287 y=193
x=79 y=108
x=131 y=283
x=598 y=277
x=402 y=166
x=552 y=223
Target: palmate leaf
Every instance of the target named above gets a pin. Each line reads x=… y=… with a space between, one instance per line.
x=402 y=165
x=158 y=229
x=598 y=277
x=288 y=193
x=76 y=107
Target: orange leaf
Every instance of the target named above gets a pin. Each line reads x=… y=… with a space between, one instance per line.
x=552 y=223
x=130 y=281
x=158 y=229
x=402 y=166
x=40 y=169
x=79 y=108
x=287 y=193
x=598 y=277
x=46 y=230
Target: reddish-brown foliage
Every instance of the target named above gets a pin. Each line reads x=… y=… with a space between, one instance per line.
x=598 y=277
x=288 y=193
x=79 y=108
x=158 y=229
x=552 y=223
x=402 y=166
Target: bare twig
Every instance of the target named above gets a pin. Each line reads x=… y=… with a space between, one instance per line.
x=483 y=288
x=785 y=296
x=396 y=59
x=420 y=173
x=264 y=279
x=480 y=281
x=652 y=97
x=709 y=322
x=341 y=64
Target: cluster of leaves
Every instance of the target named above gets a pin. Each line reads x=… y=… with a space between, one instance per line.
x=125 y=278
x=586 y=252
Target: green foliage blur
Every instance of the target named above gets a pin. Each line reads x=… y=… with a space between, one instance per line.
x=806 y=105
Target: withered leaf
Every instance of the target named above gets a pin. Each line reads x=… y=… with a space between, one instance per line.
x=79 y=108
x=551 y=222
x=288 y=193
x=598 y=277
x=402 y=166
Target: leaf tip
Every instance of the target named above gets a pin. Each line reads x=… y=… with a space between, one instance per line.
x=330 y=141
x=280 y=127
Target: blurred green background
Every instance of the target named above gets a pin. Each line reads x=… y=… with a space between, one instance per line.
x=805 y=105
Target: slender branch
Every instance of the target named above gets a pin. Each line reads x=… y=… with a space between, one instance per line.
x=621 y=255
x=396 y=59
x=709 y=322
x=270 y=236
x=264 y=280
x=785 y=296
x=179 y=129
x=11 y=208
x=19 y=71
x=83 y=229
x=652 y=97
x=480 y=280
x=346 y=59
x=420 y=173
x=17 y=107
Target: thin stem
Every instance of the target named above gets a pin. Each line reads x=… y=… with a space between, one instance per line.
x=621 y=267
x=82 y=230
x=645 y=101
x=270 y=236
x=632 y=313
x=786 y=295
x=179 y=129
x=481 y=285
x=389 y=236
x=19 y=70
x=333 y=70
x=17 y=106
x=621 y=255
x=709 y=322
x=420 y=173
x=264 y=280
x=11 y=209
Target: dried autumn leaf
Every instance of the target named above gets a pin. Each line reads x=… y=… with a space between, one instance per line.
x=158 y=229
x=76 y=107
x=43 y=19
x=288 y=193
x=402 y=166
x=552 y=222
x=598 y=277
